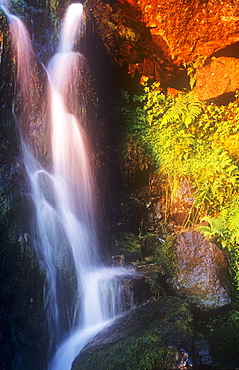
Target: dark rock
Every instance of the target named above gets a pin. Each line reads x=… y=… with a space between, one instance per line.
x=217 y=340
x=130 y=215
x=117 y=259
x=203 y=277
x=202 y=350
x=157 y=335
x=127 y=40
x=21 y=278
x=128 y=248
x=141 y=288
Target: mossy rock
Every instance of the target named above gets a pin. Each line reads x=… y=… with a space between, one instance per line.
x=156 y=335
x=21 y=290
x=166 y=256
x=150 y=244
x=21 y=279
x=130 y=245
x=162 y=254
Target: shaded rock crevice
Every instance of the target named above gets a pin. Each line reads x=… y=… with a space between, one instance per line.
x=128 y=41
x=160 y=40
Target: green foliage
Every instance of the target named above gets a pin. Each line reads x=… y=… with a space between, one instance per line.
x=225 y=225
x=196 y=141
x=187 y=108
x=181 y=152
x=225 y=229
x=187 y=139
x=223 y=335
x=166 y=256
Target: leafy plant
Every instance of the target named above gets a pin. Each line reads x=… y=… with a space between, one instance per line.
x=197 y=141
x=224 y=228
x=187 y=108
x=134 y=151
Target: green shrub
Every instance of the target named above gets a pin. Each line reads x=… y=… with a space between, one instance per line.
x=188 y=139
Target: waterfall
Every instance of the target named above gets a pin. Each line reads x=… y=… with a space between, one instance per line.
x=63 y=197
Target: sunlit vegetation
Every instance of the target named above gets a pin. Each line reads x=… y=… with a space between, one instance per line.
x=193 y=140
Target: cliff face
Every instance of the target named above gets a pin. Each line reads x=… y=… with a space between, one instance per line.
x=128 y=41
x=158 y=38
x=190 y=28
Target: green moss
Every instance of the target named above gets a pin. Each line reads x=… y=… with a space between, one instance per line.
x=130 y=245
x=133 y=353
x=128 y=241
x=165 y=255
x=150 y=244
x=156 y=346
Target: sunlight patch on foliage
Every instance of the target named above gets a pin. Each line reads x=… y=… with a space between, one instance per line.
x=187 y=138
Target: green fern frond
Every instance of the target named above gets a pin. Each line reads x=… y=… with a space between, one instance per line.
x=225 y=227
x=233 y=223
x=217 y=226
x=187 y=108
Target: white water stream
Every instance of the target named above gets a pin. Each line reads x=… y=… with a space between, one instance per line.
x=64 y=202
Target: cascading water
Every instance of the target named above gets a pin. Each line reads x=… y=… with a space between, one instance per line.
x=63 y=199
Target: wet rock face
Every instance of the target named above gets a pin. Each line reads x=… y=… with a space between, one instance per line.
x=182 y=30
x=203 y=277
x=157 y=335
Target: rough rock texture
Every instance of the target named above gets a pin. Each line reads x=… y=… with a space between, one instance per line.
x=127 y=41
x=21 y=279
x=181 y=207
x=202 y=350
x=157 y=335
x=219 y=77
x=157 y=38
x=190 y=27
x=203 y=277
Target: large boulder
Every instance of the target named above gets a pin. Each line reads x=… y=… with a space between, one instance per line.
x=218 y=77
x=157 y=335
x=202 y=276
x=190 y=28
x=158 y=38
x=179 y=31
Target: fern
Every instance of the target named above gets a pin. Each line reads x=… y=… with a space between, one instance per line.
x=188 y=139
x=187 y=108
x=233 y=225
x=225 y=227
x=216 y=227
